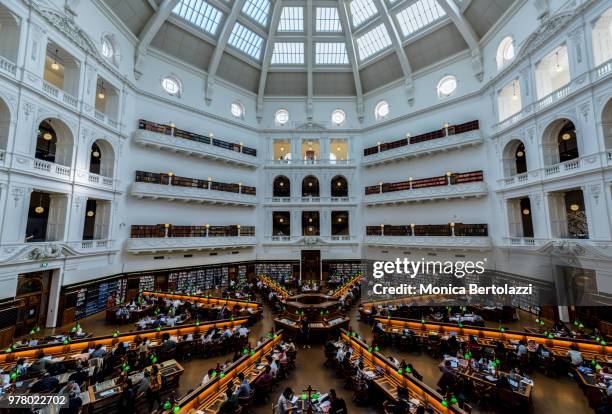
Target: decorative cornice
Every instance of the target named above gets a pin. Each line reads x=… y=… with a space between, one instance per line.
x=163 y=244
x=32 y=252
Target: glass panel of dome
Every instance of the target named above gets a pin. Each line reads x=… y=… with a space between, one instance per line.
x=327 y=20
x=257 y=10
x=288 y=54
x=362 y=10
x=373 y=42
x=246 y=41
x=418 y=15
x=200 y=14
x=331 y=54
x=291 y=20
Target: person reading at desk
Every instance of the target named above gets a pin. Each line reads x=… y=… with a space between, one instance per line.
x=230 y=405
x=45 y=384
x=284 y=401
x=41 y=364
x=575 y=355
x=155 y=384
x=522 y=348
x=244 y=390
x=98 y=352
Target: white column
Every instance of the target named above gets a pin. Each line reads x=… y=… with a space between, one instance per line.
x=515 y=228
x=35 y=55
x=325 y=222
x=539 y=216
x=56 y=224
x=595 y=207
x=54 y=296
x=16 y=214
x=296 y=223
x=103 y=218
x=76 y=220
x=577 y=48
x=558 y=215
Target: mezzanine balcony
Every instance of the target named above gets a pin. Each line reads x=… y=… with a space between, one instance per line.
x=170 y=238
x=170 y=138
x=450 y=137
x=576 y=166
x=169 y=187
x=450 y=186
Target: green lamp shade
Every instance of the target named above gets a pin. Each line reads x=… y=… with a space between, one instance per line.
x=303 y=396
x=167 y=405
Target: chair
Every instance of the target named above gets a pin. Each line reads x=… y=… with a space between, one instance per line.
x=246 y=402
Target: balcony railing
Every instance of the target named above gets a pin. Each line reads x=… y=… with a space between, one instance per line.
x=8 y=66
x=318 y=162
x=180 y=238
x=154 y=185
x=595 y=75
x=398 y=150
x=102 y=117
x=59 y=94
x=430 y=242
x=429 y=230
x=571 y=167
x=95 y=180
x=179 y=133
x=298 y=200
x=314 y=239
x=170 y=231
x=50 y=168
x=449 y=179
x=440 y=133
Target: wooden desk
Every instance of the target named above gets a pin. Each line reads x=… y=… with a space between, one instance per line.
x=557 y=346
x=392 y=379
x=81 y=346
x=209 y=397
x=272 y=285
x=343 y=290
x=318 y=330
x=209 y=300
x=104 y=396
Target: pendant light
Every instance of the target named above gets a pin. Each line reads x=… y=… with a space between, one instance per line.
x=514 y=95
x=39 y=209
x=90 y=213
x=101 y=94
x=55 y=66
x=47 y=136
x=558 y=67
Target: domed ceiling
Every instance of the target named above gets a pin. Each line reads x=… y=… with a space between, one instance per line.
x=310 y=47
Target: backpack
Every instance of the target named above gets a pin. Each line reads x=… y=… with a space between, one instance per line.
x=156 y=382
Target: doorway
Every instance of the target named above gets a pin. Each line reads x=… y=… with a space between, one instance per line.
x=311 y=265
x=33 y=290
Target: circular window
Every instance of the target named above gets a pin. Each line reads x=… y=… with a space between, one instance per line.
x=338 y=117
x=447 y=86
x=237 y=110
x=382 y=110
x=505 y=52
x=107 y=48
x=282 y=116
x=171 y=85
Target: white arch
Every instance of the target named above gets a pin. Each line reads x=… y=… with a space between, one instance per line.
x=550 y=146
x=107 y=157
x=606 y=123
x=509 y=156
x=5 y=125
x=9 y=34
x=65 y=140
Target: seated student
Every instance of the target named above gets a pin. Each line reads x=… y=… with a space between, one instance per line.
x=378 y=328
x=230 y=405
x=244 y=390
x=98 y=352
x=80 y=375
x=45 y=384
x=74 y=404
x=338 y=405
x=70 y=386
x=542 y=352
x=20 y=366
x=522 y=348
x=121 y=350
x=208 y=377
x=41 y=364
x=273 y=367
x=340 y=354
x=265 y=380
x=284 y=402
x=168 y=343
x=128 y=397
x=575 y=355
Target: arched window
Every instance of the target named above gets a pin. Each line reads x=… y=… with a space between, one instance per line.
x=54 y=142
x=5 y=124
x=382 y=110
x=9 y=34
x=447 y=86
x=237 y=109
x=339 y=186
x=338 y=117
x=310 y=186
x=514 y=158
x=281 y=187
x=560 y=142
x=281 y=117
x=505 y=52
x=606 y=124
x=171 y=85
x=102 y=158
